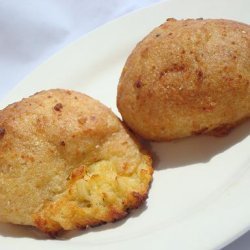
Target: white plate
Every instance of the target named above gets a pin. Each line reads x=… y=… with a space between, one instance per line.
x=199 y=198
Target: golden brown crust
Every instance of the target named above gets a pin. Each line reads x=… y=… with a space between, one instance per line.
x=67 y=162
x=187 y=77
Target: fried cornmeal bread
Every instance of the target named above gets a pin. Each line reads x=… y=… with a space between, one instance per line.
x=187 y=77
x=67 y=162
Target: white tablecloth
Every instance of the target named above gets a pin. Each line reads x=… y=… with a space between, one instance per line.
x=31 y=31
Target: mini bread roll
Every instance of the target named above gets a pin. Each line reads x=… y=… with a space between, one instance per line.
x=66 y=162
x=187 y=77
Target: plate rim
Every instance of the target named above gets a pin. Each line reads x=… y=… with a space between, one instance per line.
x=72 y=45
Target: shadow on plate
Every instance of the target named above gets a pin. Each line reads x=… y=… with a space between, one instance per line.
x=195 y=149
x=18 y=231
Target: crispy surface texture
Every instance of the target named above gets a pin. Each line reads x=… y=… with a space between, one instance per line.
x=187 y=77
x=66 y=162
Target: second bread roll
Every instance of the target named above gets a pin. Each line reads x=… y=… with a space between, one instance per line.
x=187 y=77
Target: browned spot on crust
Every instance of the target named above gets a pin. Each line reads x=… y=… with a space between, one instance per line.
x=46 y=228
x=98 y=223
x=77 y=173
x=54 y=235
x=157 y=35
x=200 y=76
x=82 y=120
x=144 y=53
x=62 y=143
x=125 y=166
x=27 y=158
x=172 y=69
x=200 y=131
x=58 y=107
x=138 y=84
x=140 y=198
x=171 y=19
x=2 y=133
x=196 y=58
x=161 y=74
x=208 y=108
x=222 y=130
x=81 y=227
x=176 y=68
x=117 y=215
x=92 y=118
